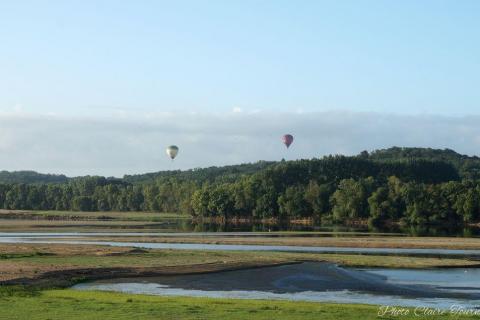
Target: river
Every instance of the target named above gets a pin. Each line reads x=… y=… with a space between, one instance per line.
x=82 y=238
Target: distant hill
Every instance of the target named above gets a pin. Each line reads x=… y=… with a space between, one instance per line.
x=211 y=174
x=468 y=167
x=31 y=177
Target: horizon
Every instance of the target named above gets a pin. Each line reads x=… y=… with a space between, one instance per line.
x=233 y=165
x=116 y=146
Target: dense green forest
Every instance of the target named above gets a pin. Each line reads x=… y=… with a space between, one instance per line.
x=410 y=185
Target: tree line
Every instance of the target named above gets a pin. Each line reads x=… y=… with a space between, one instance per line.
x=413 y=190
x=377 y=200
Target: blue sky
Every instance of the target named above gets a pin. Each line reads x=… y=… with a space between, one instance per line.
x=88 y=57
x=101 y=87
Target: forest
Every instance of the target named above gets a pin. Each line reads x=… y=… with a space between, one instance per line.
x=414 y=186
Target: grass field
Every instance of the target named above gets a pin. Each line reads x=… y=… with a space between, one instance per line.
x=85 y=305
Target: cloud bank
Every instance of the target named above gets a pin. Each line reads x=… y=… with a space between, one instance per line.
x=133 y=143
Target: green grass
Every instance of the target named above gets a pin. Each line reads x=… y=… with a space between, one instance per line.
x=83 y=305
x=379 y=261
x=147 y=259
x=170 y=257
x=5 y=256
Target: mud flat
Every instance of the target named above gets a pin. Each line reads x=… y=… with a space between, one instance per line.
x=312 y=281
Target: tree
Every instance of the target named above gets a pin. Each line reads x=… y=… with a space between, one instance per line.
x=83 y=203
x=318 y=197
x=200 y=201
x=350 y=199
x=266 y=204
x=221 y=201
x=467 y=204
x=292 y=203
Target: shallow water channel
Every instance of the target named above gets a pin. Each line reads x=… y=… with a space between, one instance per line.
x=311 y=281
x=83 y=238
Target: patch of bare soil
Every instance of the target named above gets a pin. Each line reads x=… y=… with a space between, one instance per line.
x=61 y=277
x=59 y=249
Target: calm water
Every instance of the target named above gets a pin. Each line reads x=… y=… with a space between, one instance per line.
x=187 y=225
x=316 y=282
x=454 y=280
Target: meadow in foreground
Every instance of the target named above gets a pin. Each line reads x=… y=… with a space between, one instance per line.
x=82 y=305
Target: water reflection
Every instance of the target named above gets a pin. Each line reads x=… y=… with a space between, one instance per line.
x=434 y=231
x=186 y=224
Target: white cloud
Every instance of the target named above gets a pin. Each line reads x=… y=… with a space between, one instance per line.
x=135 y=143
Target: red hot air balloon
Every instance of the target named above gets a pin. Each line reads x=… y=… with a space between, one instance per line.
x=287 y=140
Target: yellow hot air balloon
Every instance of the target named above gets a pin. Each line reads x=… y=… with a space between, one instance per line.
x=172 y=151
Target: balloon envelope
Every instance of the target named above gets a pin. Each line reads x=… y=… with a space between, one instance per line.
x=287 y=140
x=172 y=151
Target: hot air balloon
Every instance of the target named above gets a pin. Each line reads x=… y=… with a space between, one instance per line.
x=172 y=151
x=287 y=140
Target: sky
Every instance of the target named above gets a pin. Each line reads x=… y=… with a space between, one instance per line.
x=102 y=87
